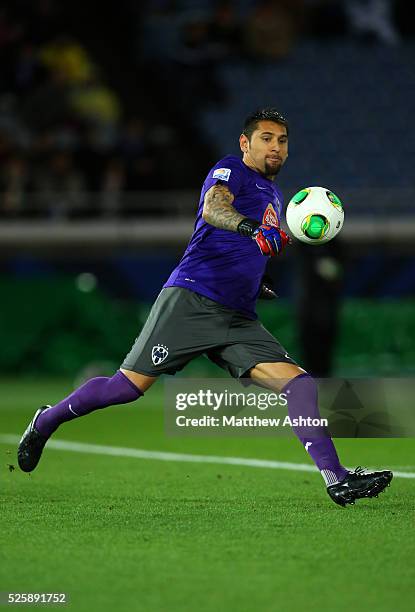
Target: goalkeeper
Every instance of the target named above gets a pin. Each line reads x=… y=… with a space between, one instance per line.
x=207 y=306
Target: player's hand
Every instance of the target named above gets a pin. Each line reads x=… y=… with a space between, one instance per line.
x=266 y=290
x=270 y=240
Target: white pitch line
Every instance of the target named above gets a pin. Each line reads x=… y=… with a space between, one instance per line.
x=138 y=453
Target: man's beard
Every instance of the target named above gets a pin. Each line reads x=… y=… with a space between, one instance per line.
x=272 y=170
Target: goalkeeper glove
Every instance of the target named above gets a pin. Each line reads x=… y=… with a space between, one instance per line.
x=266 y=290
x=270 y=240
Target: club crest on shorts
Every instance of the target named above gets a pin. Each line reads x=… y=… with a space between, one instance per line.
x=159 y=353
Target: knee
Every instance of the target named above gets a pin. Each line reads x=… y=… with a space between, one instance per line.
x=141 y=381
x=303 y=387
x=276 y=376
x=122 y=389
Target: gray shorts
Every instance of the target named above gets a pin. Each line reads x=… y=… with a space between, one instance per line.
x=183 y=324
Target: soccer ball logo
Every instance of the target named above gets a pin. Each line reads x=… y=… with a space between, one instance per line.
x=315 y=215
x=159 y=353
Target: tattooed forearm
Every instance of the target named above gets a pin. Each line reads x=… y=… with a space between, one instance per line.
x=218 y=209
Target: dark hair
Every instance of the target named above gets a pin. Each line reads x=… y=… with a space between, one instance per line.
x=265 y=114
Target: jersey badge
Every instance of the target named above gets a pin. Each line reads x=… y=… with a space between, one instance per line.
x=222 y=173
x=270 y=217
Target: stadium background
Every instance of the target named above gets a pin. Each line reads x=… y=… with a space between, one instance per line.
x=109 y=121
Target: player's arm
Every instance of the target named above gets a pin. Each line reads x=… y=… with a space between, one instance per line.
x=219 y=212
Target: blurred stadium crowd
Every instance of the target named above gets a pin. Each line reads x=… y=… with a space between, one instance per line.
x=111 y=116
x=98 y=102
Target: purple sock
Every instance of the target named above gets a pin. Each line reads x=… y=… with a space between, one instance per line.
x=94 y=394
x=302 y=401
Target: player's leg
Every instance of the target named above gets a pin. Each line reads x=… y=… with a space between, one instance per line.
x=301 y=392
x=245 y=357
x=177 y=329
x=125 y=386
x=95 y=394
x=251 y=351
x=142 y=381
x=302 y=395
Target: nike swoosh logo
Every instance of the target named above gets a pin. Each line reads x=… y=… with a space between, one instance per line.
x=73 y=411
x=259 y=186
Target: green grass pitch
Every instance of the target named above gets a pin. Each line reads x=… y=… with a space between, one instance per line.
x=119 y=533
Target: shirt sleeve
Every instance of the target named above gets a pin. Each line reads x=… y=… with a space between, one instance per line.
x=227 y=172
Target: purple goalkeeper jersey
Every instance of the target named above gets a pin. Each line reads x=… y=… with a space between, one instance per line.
x=223 y=265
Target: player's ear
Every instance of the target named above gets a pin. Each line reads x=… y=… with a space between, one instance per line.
x=243 y=143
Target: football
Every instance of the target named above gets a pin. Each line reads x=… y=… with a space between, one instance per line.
x=315 y=215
